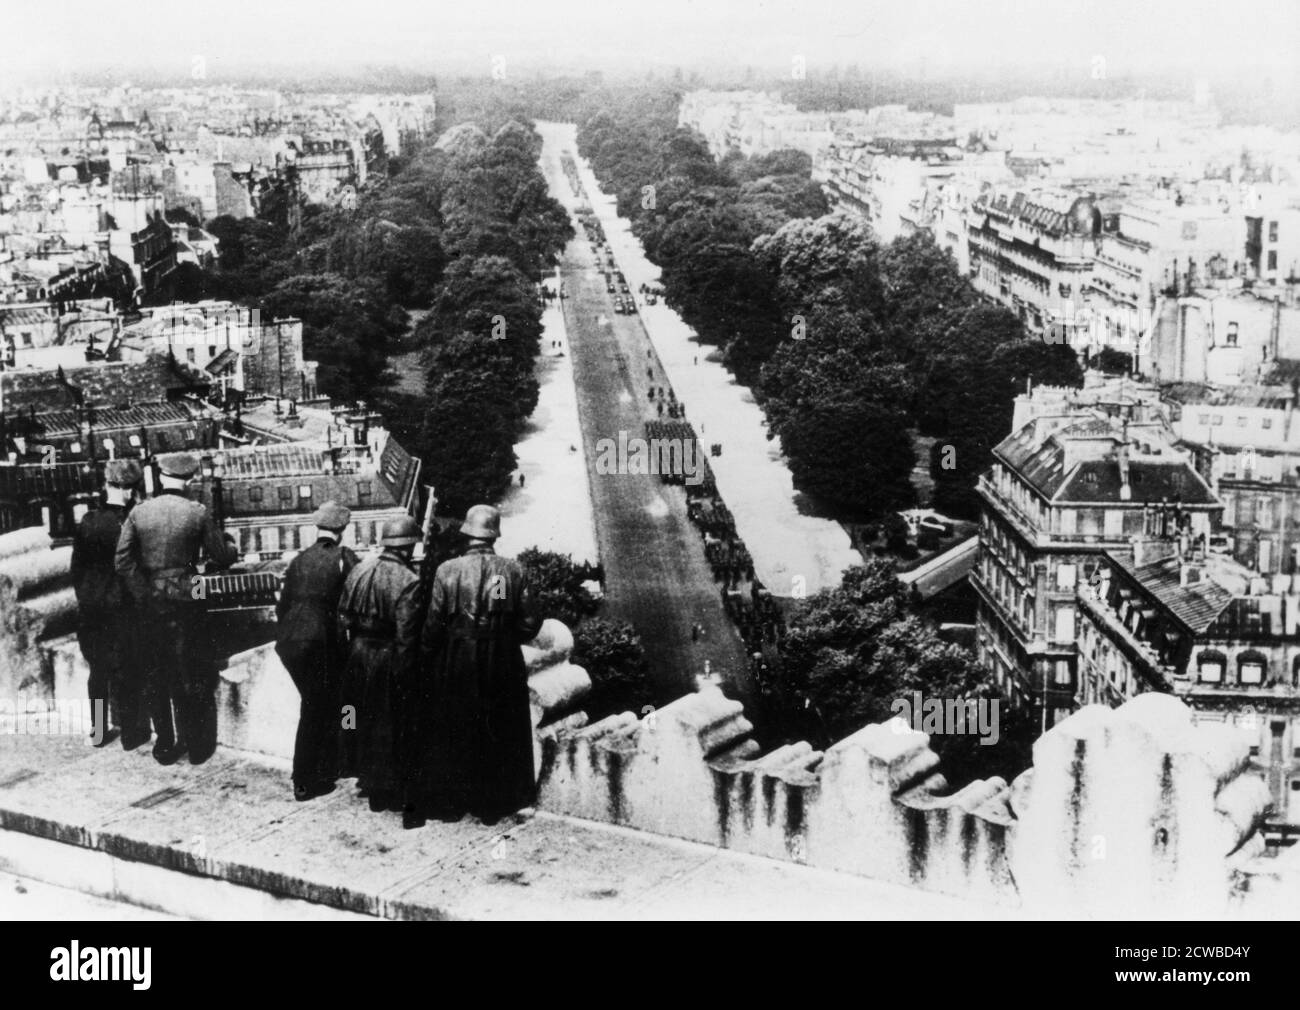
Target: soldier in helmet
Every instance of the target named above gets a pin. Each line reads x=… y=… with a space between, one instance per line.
x=157 y=557
x=380 y=613
x=308 y=642
x=106 y=620
x=473 y=745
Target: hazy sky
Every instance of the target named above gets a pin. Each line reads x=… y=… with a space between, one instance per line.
x=1216 y=38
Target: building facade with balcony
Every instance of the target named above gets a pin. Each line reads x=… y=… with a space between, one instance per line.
x=1246 y=439
x=1062 y=490
x=1033 y=253
x=1176 y=618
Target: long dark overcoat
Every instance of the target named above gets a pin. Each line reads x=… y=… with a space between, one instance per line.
x=472 y=733
x=379 y=611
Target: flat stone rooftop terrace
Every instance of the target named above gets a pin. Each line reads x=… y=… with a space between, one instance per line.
x=226 y=840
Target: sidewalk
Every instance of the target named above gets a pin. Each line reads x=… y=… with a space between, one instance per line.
x=227 y=840
x=552 y=510
x=751 y=473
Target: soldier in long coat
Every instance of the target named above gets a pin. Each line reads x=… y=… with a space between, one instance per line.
x=158 y=553
x=106 y=619
x=309 y=644
x=379 y=611
x=473 y=735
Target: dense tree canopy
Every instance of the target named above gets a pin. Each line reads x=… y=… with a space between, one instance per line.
x=814 y=313
x=610 y=651
x=464 y=229
x=850 y=652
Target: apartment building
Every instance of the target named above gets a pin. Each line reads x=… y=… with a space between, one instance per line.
x=1174 y=616
x=1067 y=485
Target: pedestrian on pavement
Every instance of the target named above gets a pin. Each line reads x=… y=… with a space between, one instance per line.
x=309 y=643
x=473 y=723
x=157 y=557
x=380 y=613
x=106 y=618
x=521 y=480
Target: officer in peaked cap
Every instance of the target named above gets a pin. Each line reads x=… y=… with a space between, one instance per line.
x=106 y=621
x=181 y=465
x=473 y=735
x=379 y=609
x=158 y=554
x=309 y=642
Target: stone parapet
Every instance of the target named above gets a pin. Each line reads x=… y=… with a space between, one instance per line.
x=1128 y=812
x=36 y=603
x=1131 y=813
x=257 y=703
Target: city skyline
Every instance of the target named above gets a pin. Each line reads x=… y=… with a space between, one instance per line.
x=939 y=37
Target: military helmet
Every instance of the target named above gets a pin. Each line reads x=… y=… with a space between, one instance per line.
x=482 y=522
x=402 y=532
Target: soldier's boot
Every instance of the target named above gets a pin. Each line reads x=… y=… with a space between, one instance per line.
x=199 y=720
x=97 y=689
x=132 y=713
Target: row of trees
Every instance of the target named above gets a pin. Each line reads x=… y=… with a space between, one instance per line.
x=501 y=232
x=849 y=343
x=849 y=653
x=461 y=234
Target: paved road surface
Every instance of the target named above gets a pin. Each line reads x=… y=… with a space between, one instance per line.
x=794 y=552
x=655 y=571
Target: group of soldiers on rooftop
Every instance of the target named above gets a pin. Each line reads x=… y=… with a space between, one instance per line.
x=418 y=690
